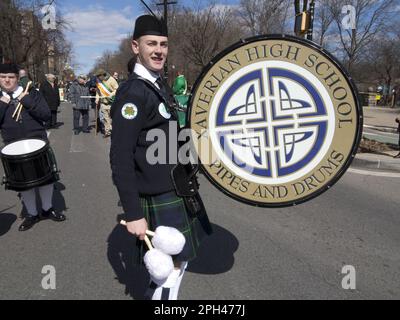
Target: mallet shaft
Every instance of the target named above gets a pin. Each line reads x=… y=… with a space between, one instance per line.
x=148 y=232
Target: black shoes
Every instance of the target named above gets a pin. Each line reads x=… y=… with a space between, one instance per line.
x=76 y=132
x=53 y=215
x=28 y=222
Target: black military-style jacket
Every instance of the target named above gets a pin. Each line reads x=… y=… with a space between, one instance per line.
x=33 y=116
x=137 y=110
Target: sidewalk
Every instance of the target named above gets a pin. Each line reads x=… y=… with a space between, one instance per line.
x=373 y=161
x=379 y=125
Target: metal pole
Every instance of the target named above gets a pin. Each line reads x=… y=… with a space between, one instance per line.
x=166 y=22
x=166 y=3
x=165 y=11
x=311 y=28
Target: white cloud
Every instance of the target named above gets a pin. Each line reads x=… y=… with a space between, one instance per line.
x=98 y=26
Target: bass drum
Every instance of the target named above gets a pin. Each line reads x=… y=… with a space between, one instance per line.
x=275 y=120
x=28 y=163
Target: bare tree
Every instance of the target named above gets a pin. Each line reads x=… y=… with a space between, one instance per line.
x=371 y=17
x=384 y=62
x=323 y=21
x=204 y=32
x=262 y=17
x=24 y=41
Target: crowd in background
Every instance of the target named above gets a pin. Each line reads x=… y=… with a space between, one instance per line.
x=96 y=93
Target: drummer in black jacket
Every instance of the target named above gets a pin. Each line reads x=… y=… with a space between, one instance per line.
x=34 y=114
x=146 y=189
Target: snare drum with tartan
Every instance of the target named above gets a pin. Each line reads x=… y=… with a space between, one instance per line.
x=169 y=210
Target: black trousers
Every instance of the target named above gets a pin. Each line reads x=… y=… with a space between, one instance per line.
x=85 y=119
x=53 y=120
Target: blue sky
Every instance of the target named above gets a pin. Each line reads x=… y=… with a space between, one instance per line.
x=100 y=25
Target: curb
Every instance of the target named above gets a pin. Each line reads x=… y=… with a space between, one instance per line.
x=382 y=128
x=376 y=164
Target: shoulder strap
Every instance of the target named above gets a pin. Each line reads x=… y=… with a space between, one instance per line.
x=2 y=115
x=171 y=104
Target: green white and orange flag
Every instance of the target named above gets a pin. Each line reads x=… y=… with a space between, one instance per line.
x=104 y=90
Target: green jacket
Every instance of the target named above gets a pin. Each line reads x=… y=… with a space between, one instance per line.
x=180 y=85
x=23 y=82
x=183 y=101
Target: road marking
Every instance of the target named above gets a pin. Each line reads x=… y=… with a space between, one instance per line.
x=76 y=145
x=374 y=173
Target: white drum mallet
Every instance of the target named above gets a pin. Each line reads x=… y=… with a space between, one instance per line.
x=167 y=241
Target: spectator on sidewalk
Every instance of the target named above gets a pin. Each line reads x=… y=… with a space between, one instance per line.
x=51 y=94
x=116 y=77
x=398 y=130
x=81 y=106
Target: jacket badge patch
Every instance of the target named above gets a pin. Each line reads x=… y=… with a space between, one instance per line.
x=129 y=111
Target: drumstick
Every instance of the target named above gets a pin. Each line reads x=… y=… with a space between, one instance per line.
x=26 y=91
x=146 y=238
x=149 y=245
x=148 y=232
x=19 y=106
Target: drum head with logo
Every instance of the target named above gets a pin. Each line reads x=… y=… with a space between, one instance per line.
x=275 y=120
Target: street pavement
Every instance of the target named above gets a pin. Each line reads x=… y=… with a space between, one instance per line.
x=255 y=253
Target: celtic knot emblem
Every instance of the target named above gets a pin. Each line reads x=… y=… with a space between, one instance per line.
x=271 y=122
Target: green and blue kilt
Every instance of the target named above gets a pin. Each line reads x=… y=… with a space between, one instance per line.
x=169 y=210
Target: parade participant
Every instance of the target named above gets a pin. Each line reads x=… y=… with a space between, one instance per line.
x=147 y=192
x=106 y=89
x=51 y=94
x=181 y=96
x=81 y=106
x=34 y=113
x=23 y=78
x=116 y=77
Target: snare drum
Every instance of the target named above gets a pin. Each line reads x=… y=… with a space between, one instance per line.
x=28 y=163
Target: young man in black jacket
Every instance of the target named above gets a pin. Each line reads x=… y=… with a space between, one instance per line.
x=146 y=190
x=34 y=113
